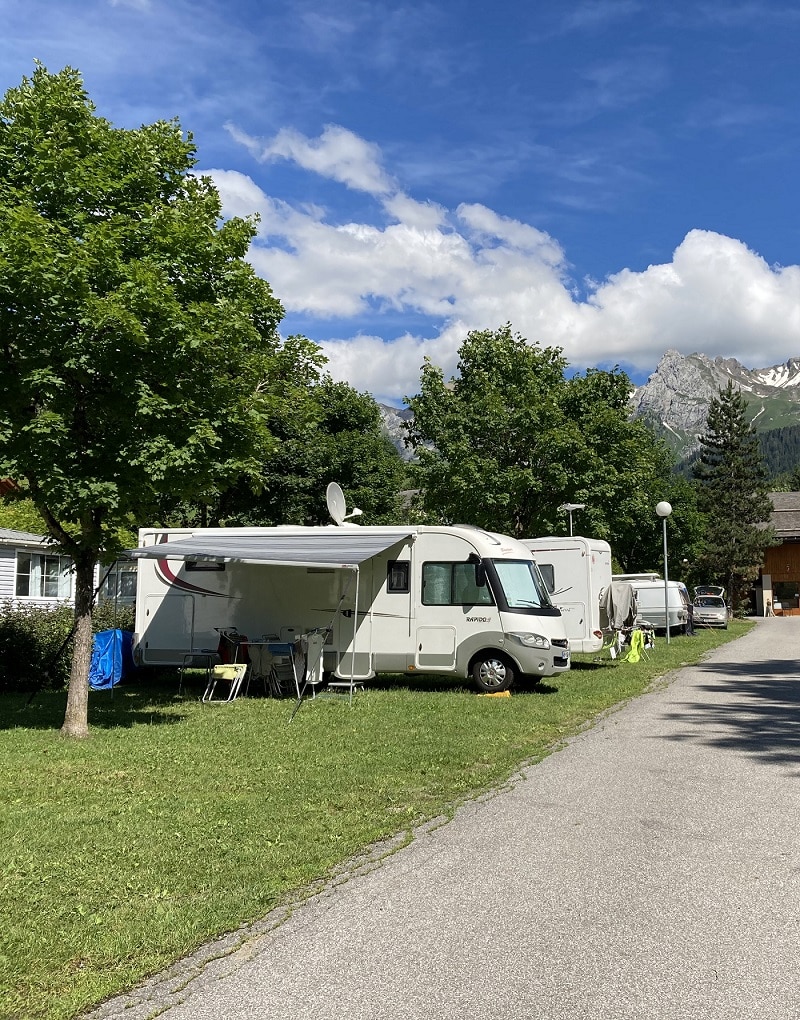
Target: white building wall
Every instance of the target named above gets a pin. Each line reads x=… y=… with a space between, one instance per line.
x=8 y=559
x=12 y=542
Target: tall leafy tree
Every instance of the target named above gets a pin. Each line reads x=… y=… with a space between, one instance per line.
x=337 y=438
x=19 y=514
x=137 y=342
x=490 y=443
x=510 y=439
x=787 y=481
x=619 y=469
x=734 y=495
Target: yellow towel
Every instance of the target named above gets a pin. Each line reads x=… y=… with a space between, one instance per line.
x=637 y=647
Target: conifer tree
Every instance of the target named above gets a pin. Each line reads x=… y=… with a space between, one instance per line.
x=734 y=494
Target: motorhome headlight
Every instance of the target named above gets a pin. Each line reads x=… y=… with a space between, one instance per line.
x=530 y=640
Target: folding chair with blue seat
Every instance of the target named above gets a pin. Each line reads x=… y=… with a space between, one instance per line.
x=284 y=681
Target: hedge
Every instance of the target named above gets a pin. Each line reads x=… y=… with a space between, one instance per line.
x=36 y=642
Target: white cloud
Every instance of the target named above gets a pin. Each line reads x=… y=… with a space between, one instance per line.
x=472 y=268
x=422 y=215
x=240 y=195
x=390 y=370
x=337 y=154
x=716 y=296
x=488 y=227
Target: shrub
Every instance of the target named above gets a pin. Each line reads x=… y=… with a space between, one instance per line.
x=35 y=646
x=36 y=642
x=107 y=616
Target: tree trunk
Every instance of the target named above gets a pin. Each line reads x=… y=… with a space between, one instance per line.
x=76 y=717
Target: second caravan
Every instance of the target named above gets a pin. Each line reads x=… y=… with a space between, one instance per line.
x=452 y=600
x=577 y=571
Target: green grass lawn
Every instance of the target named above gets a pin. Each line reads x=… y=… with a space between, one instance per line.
x=177 y=821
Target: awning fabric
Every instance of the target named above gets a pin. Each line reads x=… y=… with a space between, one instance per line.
x=334 y=547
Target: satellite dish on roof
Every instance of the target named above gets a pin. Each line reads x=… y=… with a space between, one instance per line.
x=336 y=505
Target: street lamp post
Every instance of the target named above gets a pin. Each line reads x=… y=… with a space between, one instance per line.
x=569 y=507
x=664 y=509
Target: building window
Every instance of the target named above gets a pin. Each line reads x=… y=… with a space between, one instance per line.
x=119 y=584
x=43 y=576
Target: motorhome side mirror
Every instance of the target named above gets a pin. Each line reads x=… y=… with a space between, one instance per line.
x=480 y=570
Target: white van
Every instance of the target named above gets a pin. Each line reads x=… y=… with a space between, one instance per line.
x=653 y=600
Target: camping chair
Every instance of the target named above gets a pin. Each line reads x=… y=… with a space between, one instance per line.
x=204 y=659
x=284 y=681
x=260 y=662
x=232 y=645
x=232 y=673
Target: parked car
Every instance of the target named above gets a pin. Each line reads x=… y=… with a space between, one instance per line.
x=710 y=611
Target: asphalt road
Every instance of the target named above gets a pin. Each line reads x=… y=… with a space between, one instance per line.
x=649 y=869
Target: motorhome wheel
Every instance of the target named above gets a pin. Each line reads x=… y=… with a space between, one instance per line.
x=492 y=674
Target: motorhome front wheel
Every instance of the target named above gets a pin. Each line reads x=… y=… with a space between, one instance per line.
x=492 y=674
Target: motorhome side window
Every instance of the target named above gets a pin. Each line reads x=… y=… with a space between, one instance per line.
x=547 y=570
x=204 y=565
x=452 y=584
x=397 y=577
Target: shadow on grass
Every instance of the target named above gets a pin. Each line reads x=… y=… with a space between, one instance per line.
x=424 y=683
x=125 y=706
x=157 y=702
x=755 y=709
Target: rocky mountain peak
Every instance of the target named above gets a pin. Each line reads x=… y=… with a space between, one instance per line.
x=393 y=419
x=675 y=398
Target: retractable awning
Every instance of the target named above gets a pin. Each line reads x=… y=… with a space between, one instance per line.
x=334 y=548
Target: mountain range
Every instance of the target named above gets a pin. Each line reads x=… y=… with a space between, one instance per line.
x=675 y=399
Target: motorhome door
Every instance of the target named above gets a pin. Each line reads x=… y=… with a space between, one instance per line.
x=450 y=597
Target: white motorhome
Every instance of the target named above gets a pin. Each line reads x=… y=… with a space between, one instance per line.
x=452 y=600
x=577 y=571
x=653 y=600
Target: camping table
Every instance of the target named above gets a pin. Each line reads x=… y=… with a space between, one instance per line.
x=279 y=652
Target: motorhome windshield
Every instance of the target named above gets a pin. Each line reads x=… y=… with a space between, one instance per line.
x=522 y=584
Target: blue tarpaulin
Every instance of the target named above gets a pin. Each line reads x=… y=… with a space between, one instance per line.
x=112 y=658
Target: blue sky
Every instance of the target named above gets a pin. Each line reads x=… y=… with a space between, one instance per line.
x=616 y=177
